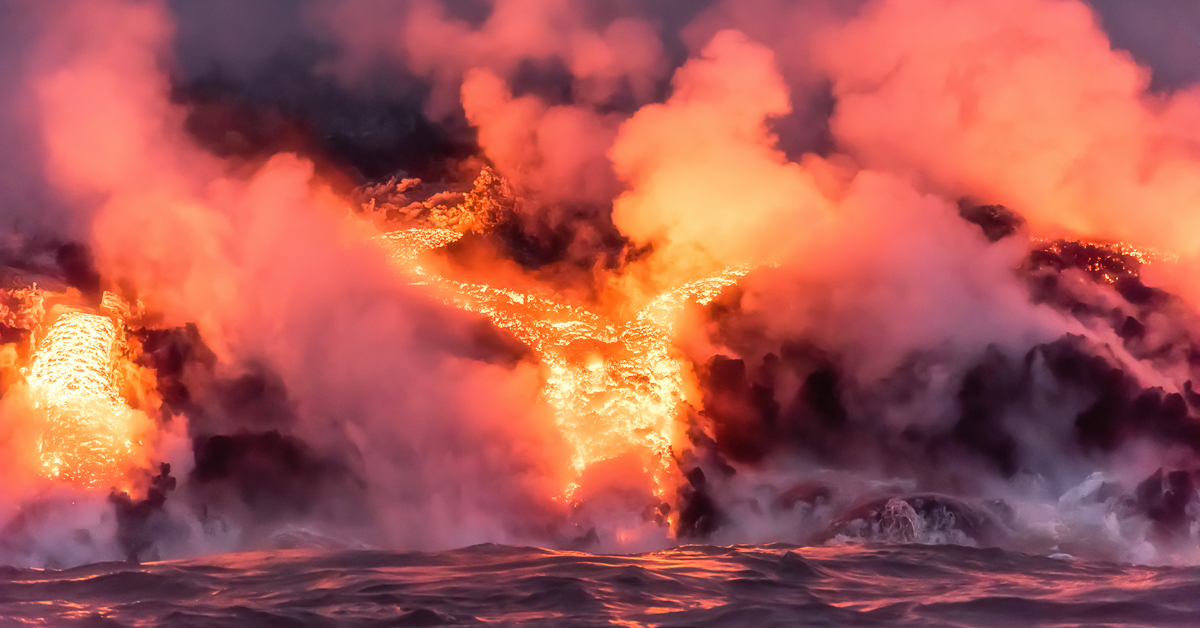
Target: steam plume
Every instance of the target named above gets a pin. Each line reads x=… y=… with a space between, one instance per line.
x=979 y=308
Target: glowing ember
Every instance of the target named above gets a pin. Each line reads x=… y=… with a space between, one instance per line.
x=1133 y=256
x=1144 y=255
x=87 y=439
x=616 y=386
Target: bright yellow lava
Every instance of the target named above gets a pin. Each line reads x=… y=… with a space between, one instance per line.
x=616 y=386
x=87 y=438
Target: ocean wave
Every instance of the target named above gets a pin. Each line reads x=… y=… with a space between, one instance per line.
x=762 y=585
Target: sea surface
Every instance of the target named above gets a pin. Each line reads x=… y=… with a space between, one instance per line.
x=763 y=585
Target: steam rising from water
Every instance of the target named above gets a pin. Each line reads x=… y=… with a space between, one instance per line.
x=920 y=366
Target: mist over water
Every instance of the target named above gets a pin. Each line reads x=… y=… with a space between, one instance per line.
x=971 y=320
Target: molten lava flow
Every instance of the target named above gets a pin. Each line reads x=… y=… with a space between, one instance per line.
x=87 y=440
x=404 y=246
x=615 y=386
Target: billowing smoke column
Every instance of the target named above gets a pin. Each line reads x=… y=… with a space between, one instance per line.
x=950 y=248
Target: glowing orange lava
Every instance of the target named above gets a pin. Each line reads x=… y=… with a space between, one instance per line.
x=616 y=386
x=88 y=436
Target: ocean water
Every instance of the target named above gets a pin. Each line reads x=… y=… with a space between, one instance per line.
x=762 y=585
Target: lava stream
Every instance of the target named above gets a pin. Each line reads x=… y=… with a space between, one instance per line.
x=88 y=434
x=615 y=386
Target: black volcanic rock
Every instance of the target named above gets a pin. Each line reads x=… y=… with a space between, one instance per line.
x=699 y=516
x=986 y=391
x=1163 y=498
x=819 y=394
x=921 y=518
x=1131 y=328
x=170 y=352
x=743 y=414
x=142 y=522
x=996 y=221
x=1133 y=290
